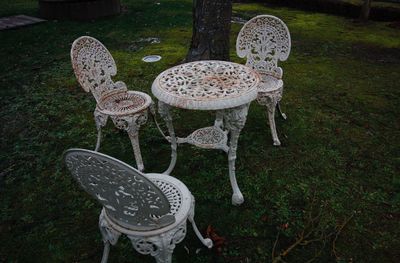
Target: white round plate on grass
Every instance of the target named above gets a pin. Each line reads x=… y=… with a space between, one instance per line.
x=151 y=58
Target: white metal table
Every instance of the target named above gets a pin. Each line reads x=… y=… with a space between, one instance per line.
x=224 y=87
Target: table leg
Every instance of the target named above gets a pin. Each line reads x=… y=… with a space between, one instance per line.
x=235 y=119
x=219 y=120
x=165 y=112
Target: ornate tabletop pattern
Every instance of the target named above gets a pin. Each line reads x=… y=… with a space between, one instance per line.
x=207 y=85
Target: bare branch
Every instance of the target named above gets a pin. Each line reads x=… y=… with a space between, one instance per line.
x=338 y=233
x=275 y=243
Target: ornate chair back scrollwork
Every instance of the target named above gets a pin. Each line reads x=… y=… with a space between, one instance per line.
x=263 y=41
x=151 y=209
x=127 y=196
x=94 y=68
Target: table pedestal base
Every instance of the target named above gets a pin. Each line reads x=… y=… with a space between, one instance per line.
x=229 y=121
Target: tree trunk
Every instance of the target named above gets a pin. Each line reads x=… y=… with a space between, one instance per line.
x=211 y=28
x=365 y=9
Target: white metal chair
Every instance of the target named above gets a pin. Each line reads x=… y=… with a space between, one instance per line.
x=151 y=209
x=94 y=66
x=264 y=40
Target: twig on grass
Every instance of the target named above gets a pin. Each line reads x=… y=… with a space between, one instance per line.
x=338 y=233
x=311 y=233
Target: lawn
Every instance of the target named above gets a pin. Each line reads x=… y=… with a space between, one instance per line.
x=335 y=179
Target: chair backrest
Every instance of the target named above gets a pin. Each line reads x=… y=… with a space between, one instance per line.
x=264 y=40
x=93 y=66
x=128 y=197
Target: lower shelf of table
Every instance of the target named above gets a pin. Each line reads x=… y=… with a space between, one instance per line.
x=208 y=138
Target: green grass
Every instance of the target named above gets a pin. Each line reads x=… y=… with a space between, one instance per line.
x=339 y=162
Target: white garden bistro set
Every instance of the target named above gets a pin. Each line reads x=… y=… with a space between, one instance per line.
x=152 y=209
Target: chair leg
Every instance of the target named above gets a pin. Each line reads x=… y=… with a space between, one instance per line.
x=160 y=246
x=283 y=115
x=100 y=120
x=106 y=252
x=271 y=117
x=110 y=236
x=165 y=255
x=206 y=241
x=98 y=139
x=131 y=124
x=134 y=137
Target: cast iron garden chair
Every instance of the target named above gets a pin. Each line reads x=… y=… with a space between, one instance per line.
x=151 y=209
x=263 y=41
x=94 y=66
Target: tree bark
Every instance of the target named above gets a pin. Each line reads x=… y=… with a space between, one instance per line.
x=211 y=28
x=365 y=9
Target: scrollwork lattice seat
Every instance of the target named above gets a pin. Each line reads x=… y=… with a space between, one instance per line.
x=270 y=84
x=151 y=209
x=124 y=103
x=264 y=40
x=94 y=66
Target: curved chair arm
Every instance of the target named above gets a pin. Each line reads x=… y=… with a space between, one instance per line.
x=120 y=85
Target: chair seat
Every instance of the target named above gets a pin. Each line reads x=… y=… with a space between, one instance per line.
x=180 y=200
x=269 y=83
x=124 y=103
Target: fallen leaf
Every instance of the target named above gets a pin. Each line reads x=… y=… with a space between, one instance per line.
x=218 y=241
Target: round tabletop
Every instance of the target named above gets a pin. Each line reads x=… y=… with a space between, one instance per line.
x=207 y=85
